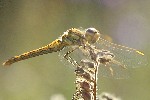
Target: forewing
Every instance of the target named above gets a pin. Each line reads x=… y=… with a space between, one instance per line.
x=128 y=57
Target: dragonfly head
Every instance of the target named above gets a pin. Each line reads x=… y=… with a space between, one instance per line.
x=92 y=35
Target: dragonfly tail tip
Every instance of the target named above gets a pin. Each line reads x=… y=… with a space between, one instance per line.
x=140 y=53
x=6 y=64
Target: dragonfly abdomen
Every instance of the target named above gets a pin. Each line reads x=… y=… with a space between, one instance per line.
x=55 y=46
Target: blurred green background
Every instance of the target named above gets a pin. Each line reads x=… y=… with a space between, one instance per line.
x=29 y=24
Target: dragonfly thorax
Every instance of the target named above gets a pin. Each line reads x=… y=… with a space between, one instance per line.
x=73 y=36
x=92 y=35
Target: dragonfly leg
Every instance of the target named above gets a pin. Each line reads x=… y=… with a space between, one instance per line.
x=70 y=59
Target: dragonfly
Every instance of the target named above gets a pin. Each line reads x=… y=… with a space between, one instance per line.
x=75 y=39
x=71 y=37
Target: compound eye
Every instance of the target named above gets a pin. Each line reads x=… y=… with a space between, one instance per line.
x=91 y=30
x=92 y=35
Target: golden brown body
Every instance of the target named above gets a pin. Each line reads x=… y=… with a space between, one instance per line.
x=52 y=47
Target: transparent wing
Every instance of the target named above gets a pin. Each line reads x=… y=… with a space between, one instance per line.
x=112 y=70
x=75 y=57
x=104 y=70
x=126 y=56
